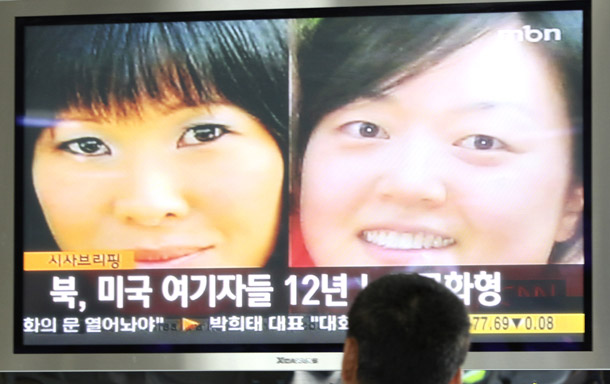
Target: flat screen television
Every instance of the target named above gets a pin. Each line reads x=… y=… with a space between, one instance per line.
x=194 y=186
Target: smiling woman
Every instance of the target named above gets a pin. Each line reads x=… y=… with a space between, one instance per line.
x=160 y=140
x=437 y=140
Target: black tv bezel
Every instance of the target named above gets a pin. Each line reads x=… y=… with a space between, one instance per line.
x=23 y=22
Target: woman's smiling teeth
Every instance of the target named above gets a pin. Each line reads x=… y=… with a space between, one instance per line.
x=406 y=240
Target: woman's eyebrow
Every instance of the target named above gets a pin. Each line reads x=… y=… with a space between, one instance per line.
x=492 y=106
x=518 y=111
x=63 y=124
x=77 y=120
x=467 y=107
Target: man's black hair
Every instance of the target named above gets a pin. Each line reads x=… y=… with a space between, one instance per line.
x=409 y=328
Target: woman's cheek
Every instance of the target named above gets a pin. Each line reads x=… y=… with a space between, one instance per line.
x=239 y=194
x=328 y=186
x=508 y=213
x=73 y=199
x=334 y=189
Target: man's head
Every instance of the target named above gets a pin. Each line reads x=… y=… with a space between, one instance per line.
x=405 y=328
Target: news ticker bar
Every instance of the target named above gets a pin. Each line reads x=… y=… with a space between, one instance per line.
x=524 y=323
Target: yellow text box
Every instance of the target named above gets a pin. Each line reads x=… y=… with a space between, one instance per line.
x=527 y=323
x=78 y=261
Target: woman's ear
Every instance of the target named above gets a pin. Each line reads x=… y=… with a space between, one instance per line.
x=572 y=213
x=349 y=367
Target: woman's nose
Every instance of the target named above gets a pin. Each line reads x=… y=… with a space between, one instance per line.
x=150 y=195
x=414 y=174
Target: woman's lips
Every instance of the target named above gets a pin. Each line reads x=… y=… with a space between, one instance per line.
x=166 y=253
x=406 y=240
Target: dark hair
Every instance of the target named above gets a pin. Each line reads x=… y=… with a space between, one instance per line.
x=408 y=328
x=344 y=59
x=108 y=69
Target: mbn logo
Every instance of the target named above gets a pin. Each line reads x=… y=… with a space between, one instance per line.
x=530 y=34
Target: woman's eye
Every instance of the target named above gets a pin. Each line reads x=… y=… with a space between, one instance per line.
x=201 y=134
x=86 y=146
x=365 y=129
x=481 y=143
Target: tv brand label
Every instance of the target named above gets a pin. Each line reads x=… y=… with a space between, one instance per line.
x=533 y=35
x=298 y=360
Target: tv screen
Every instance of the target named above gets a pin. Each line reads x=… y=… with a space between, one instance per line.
x=227 y=181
